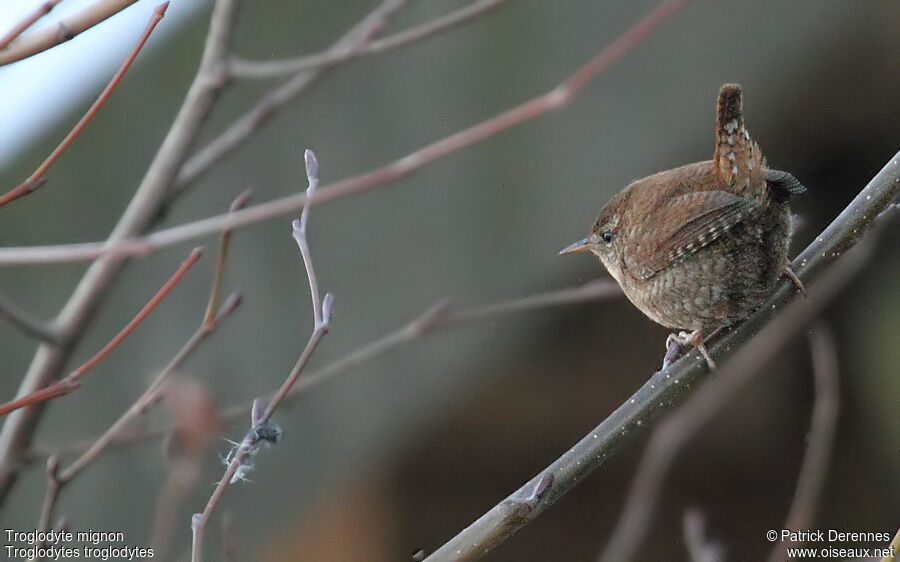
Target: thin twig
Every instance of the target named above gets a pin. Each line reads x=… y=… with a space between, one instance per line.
x=151 y=394
x=207 y=326
x=299 y=233
x=70 y=382
x=145 y=209
x=441 y=316
x=28 y=324
x=51 y=495
x=66 y=29
x=27 y=22
x=278 y=98
x=556 y=98
x=212 y=303
x=331 y=57
x=669 y=386
x=322 y=323
x=817 y=457
x=36 y=179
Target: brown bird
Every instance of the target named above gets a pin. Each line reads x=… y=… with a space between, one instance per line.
x=700 y=247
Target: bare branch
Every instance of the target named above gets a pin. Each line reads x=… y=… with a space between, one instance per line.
x=331 y=57
x=275 y=100
x=27 y=323
x=27 y=22
x=559 y=97
x=36 y=179
x=175 y=482
x=219 y=272
x=39 y=41
x=437 y=318
x=669 y=438
x=250 y=443
x=299 y=233
x=70 y=382
x=821 y=437
x=669 y=387
x=144 y=210
x=51 y=495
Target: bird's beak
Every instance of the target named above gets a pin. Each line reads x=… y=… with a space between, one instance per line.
x=580 y=246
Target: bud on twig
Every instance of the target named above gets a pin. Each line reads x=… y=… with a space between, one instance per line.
x=327 y=308
x=312 y=168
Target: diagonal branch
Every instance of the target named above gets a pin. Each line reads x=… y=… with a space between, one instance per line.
x=671 y=436
x=208 y=325
x=278 y=98
x=144 y=210
x=36 y=179
x=437 y=318
x=58 y=478
x=70 y=382
x=556 y=98
x=249 y=446
x=669 y=387
x=27 y=22
x=268 y=69
x=27 y=323
x=66 y=29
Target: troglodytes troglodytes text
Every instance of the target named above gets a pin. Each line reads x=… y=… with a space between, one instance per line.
x=701 y=246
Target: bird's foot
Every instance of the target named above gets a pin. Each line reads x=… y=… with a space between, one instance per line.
x=673 y=351
x=789 y=273
x=695 y=339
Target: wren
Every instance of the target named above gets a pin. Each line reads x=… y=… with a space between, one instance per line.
x=701 y=246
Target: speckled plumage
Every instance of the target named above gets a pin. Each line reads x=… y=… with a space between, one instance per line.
x=701 y=246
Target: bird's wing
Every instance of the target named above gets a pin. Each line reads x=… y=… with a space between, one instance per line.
x=670 y=235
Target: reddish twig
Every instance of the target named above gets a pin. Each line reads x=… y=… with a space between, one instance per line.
x=151 y=395
x=439 y=317
x=36 y=179
x=269 y=69
x=556 y=98
x=70 y=382
x=66 y=29
x=146 y=207
x=322 y=321
x=27 y=22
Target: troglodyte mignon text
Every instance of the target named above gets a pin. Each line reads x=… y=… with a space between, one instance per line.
x=701 y=246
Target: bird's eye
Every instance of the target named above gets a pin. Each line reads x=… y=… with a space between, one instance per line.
x=608 y=236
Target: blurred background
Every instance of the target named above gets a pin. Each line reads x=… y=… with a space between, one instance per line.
x=403 y=453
